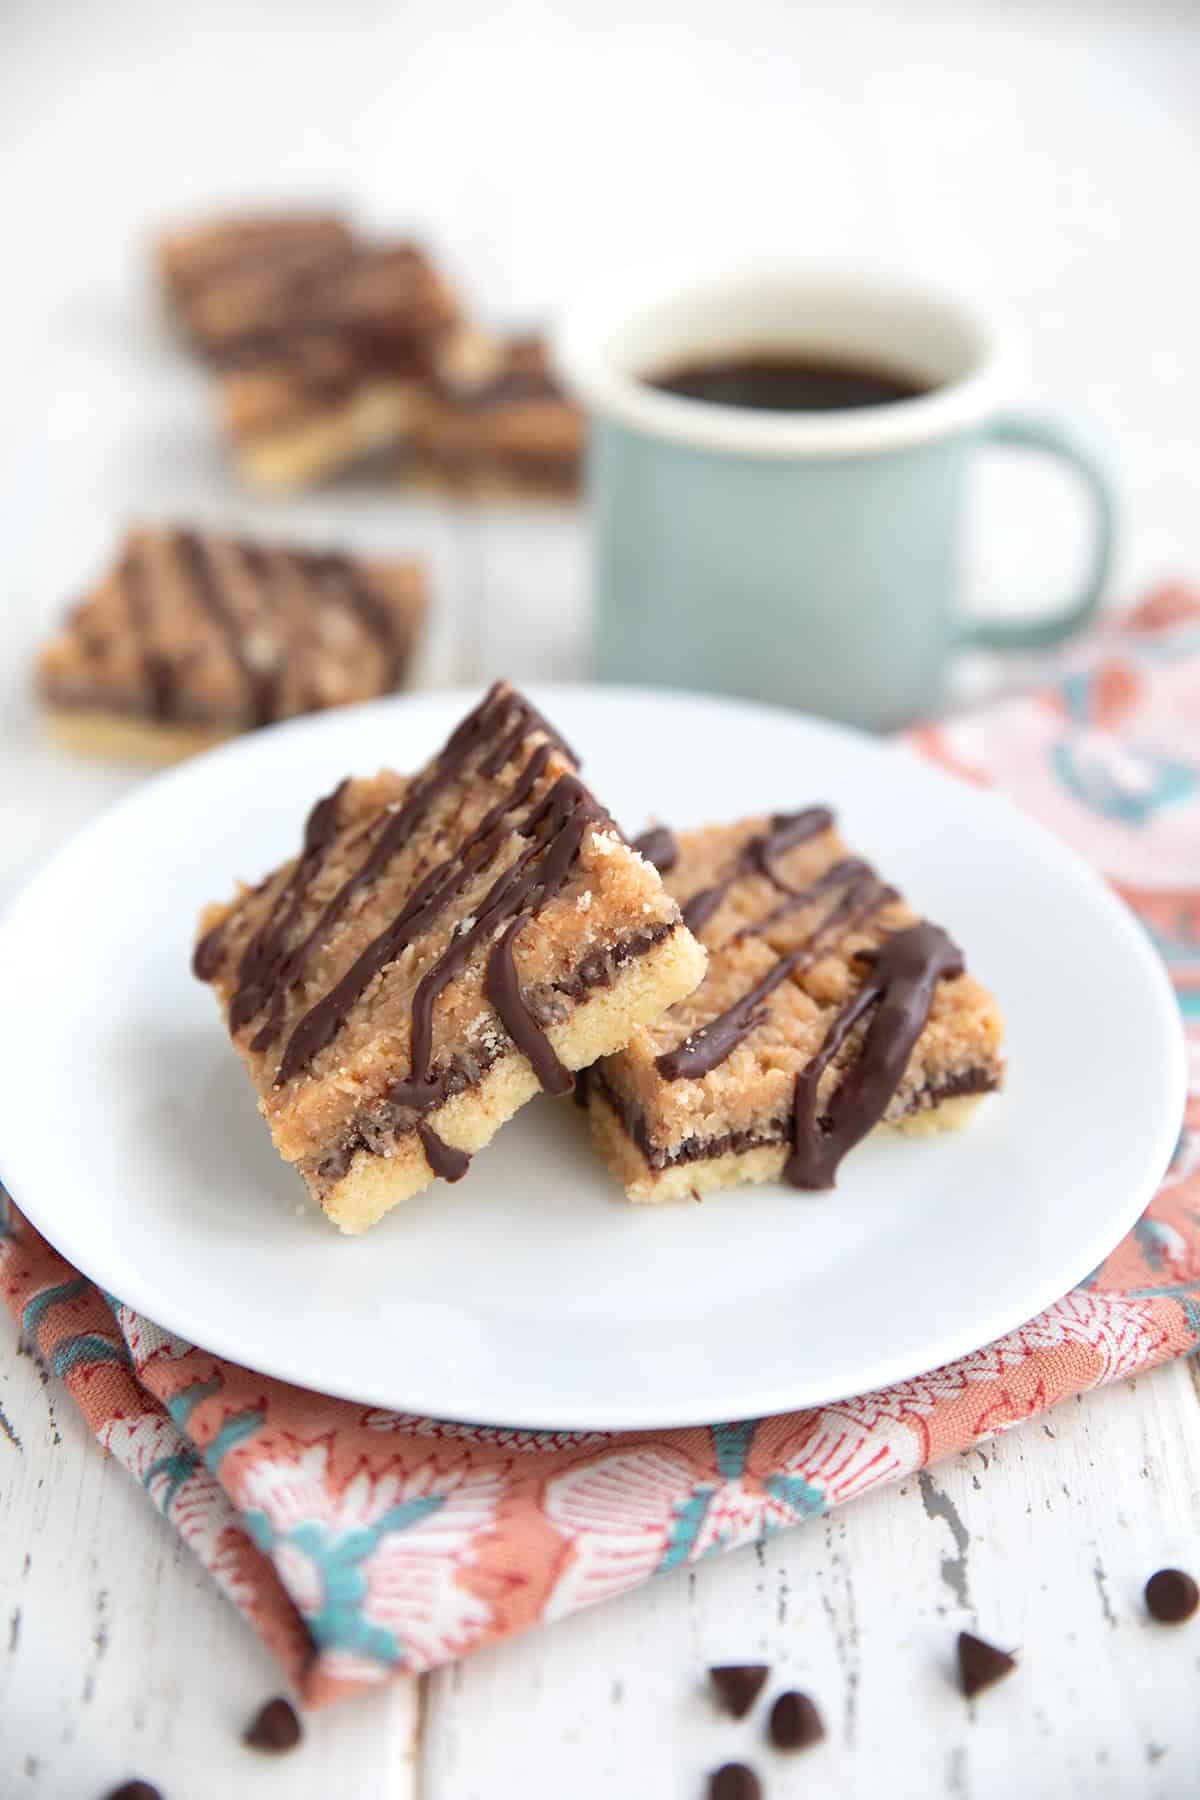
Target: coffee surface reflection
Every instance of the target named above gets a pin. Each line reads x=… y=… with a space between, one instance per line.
x=788 y=383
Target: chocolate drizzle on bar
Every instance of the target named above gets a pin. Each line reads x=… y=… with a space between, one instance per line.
x=556 y=827
x=504 y=991
x=556 y=831
x=548 y=828
x=704 y=1049
x=658 y=847
x=451 y=1164
x=347 y=583
x=261 y=684
x=898 y=990
x=902 y=974
x=786 y=830
x=227 y=275
x=261 y=964
x=380 y=1124
x=270 y=612
x=851 y=873
x=157 y=672
x=318 y=330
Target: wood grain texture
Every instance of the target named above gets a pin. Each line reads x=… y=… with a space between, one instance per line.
x=118 y=1656
x=862 y=1611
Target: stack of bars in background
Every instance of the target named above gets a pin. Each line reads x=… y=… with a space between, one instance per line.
x=328 y=350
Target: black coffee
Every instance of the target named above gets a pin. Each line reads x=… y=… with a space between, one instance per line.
x=788 y=383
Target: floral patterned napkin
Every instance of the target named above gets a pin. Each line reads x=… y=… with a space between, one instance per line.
x=363 y=1543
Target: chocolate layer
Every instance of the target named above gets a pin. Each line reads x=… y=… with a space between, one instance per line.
x=378 y=1128
x=778 y=1132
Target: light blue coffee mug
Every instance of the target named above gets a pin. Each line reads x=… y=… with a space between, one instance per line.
x=810 y=559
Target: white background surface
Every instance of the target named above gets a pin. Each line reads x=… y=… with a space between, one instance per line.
x=1044 y=157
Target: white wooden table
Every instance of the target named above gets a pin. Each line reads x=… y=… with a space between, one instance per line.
x=1043 y=158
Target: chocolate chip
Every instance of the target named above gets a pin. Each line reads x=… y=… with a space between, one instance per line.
x=795 y=1722
x=275 y=1727
x=738 y=1685
x=734 y=1782
x=980 y=1664
x=135 y=1790
x=1172 y=1596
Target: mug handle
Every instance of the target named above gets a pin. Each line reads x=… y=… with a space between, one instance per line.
x=1057 y=439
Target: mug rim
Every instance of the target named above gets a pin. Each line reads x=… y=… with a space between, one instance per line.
x=582 y=351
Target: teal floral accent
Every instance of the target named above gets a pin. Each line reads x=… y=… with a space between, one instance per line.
x=792 y=1491
x=1148 y=1241
x=1076 y=693
x=233 y=1432
x=1154 y=1239
x=732 y=1445
x=1180 y=950
x=1187 y=1294
x=1169 y=784
x=1175 y=948
x=182 y=1405
x=260 y=1528
x=1169 y=1290
x=686 y=1521
x=799 y=1496
x=1181 y=1142
x=50 y=1297
x=339 y=1557
x=177 y=1467
x=87 y=1347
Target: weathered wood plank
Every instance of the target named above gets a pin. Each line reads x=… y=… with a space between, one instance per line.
x=1040 y=1541
x=119 y=1657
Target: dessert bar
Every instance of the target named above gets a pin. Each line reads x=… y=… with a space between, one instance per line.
x=494 y=421
x=441 y=949
x=337 y=372
x=320 y=342
x=228 y=281
x=193 y=637
x=328 y=349
x=828 y=1008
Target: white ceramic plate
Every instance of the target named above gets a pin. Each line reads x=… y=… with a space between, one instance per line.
x=532 y=1293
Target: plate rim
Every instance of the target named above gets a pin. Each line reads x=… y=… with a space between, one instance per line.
x=783 y=1394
